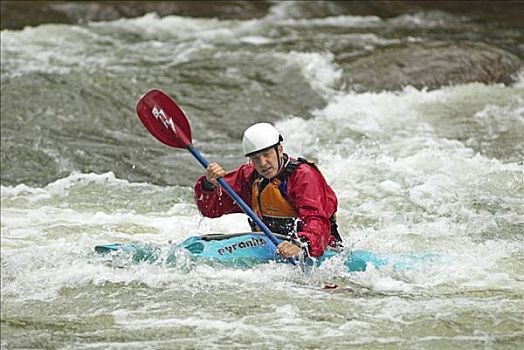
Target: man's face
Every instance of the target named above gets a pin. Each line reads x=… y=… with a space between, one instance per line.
x=266 y=162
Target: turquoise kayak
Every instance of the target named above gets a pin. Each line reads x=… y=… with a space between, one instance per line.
x=248 y=249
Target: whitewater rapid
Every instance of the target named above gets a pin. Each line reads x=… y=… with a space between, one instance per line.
x=415 y=170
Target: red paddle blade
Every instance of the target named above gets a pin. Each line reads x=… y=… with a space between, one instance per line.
x=164 y=119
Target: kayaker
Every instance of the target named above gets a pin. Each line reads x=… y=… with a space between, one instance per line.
x=290 y=195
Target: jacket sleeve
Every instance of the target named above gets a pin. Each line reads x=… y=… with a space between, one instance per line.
x=215 y=203
x=315 y=202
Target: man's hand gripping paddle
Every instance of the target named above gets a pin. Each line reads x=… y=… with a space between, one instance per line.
x=168 y=123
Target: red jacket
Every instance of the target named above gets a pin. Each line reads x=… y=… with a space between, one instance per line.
x=307 y=192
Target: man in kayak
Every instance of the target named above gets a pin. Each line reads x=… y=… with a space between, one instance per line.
x=289 y=195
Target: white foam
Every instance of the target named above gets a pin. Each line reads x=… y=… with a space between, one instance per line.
x=283 y=13
x=319 y=69
x=334 y=21
x=256 y=40
x=49 y=48
x=53 y=48
x=497 y=120
x=174 y=26
x=390 y=187
x=431 y=19
x=520 y=79
x=60 y=186
x=410 y=188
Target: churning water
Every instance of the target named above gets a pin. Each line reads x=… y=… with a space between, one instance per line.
x=415 y=170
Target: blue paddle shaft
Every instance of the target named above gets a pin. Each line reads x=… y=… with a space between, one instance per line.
x=237 y=199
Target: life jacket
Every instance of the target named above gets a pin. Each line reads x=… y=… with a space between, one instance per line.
x=269 y=201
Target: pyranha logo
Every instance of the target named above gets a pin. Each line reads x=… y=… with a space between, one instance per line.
x=250 y=243
x=160 y=114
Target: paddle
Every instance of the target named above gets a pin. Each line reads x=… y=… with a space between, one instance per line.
x=168 y=123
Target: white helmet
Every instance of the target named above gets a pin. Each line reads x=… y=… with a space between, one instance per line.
x=259 y=137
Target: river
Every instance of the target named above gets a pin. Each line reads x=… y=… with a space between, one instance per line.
x=422 y=157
